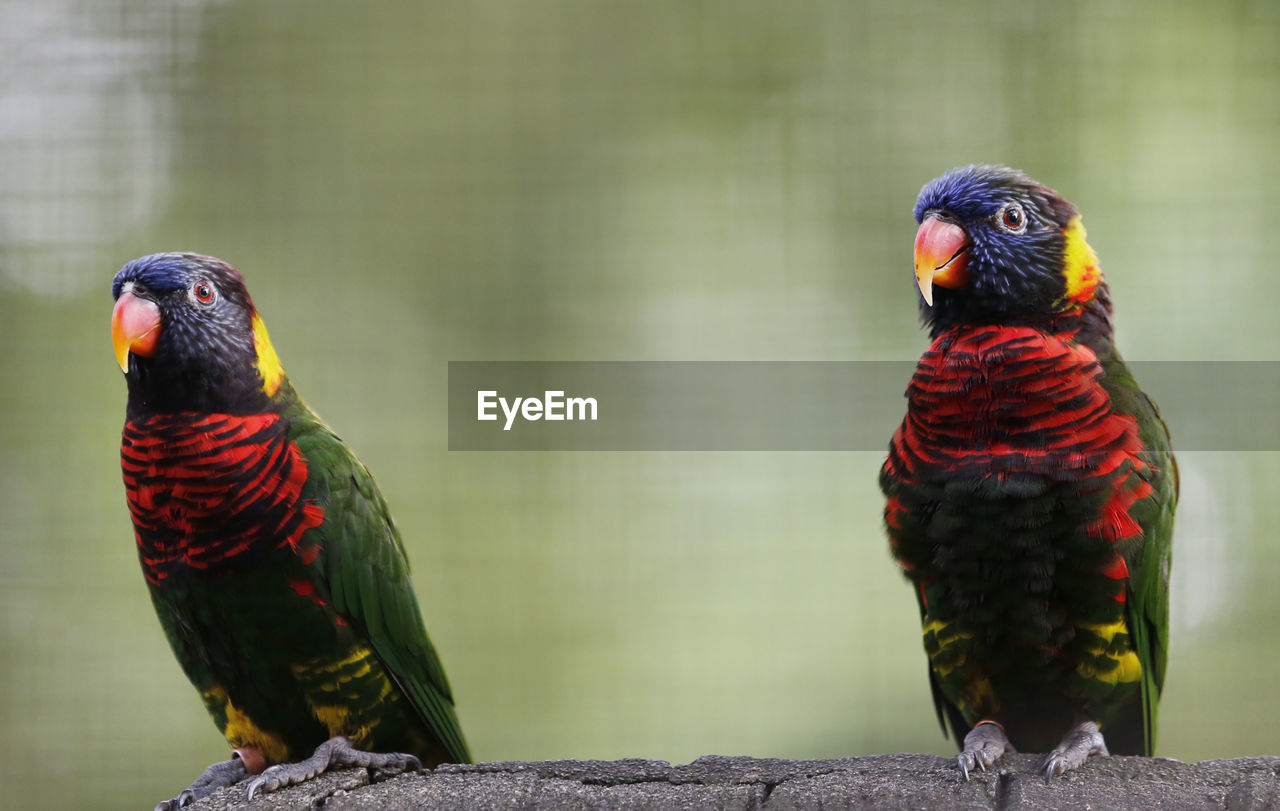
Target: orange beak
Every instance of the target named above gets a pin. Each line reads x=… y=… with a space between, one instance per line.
x=942 y=252
x=135 y=327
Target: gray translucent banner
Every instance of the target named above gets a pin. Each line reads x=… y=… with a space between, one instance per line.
x=792 y=405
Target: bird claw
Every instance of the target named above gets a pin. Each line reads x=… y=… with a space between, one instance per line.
x=983 y=746
x=1084 y=740
x=222 y=773
x=333 y=753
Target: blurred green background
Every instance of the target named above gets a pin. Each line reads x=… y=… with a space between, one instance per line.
x=405 y=184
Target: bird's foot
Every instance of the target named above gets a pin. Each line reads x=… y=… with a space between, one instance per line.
x=220 y=774
x=1083 y=740
x=983 y=746
x=333 y=753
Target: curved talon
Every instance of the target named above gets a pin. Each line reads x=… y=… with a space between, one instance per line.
x=184 y=799
x=261 y=782
x=257 y=783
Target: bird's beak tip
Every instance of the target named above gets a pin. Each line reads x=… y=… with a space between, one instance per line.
x=925 y=282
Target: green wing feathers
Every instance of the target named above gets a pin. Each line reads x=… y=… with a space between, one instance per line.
x=1149 y=561
x=362 y=570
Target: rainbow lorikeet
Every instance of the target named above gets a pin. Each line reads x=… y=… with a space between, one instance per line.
x=273 y=564
x=1031 y=488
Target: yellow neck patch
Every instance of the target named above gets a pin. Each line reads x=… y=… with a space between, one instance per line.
x=1080 y=264
x=269 y=368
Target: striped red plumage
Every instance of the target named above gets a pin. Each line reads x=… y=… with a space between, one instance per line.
x=1045 y=411
x=205 y=488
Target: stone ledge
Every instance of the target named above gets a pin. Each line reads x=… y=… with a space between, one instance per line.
x=716 y=781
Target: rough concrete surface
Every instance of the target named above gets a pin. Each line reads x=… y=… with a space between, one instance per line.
x=716 y=781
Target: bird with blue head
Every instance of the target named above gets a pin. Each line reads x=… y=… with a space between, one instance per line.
x=1030 y=489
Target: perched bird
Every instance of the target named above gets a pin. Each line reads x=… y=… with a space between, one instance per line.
x=1031 y=488
x=273 y=564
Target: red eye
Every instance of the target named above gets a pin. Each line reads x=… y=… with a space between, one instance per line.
x=203 y=292
x=1012 y=217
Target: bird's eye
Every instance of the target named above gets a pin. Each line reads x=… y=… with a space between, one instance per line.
x=1013 y=219
x=203 y=292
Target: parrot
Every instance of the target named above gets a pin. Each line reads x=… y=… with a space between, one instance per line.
x=272 y=561
x=1030 y=490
